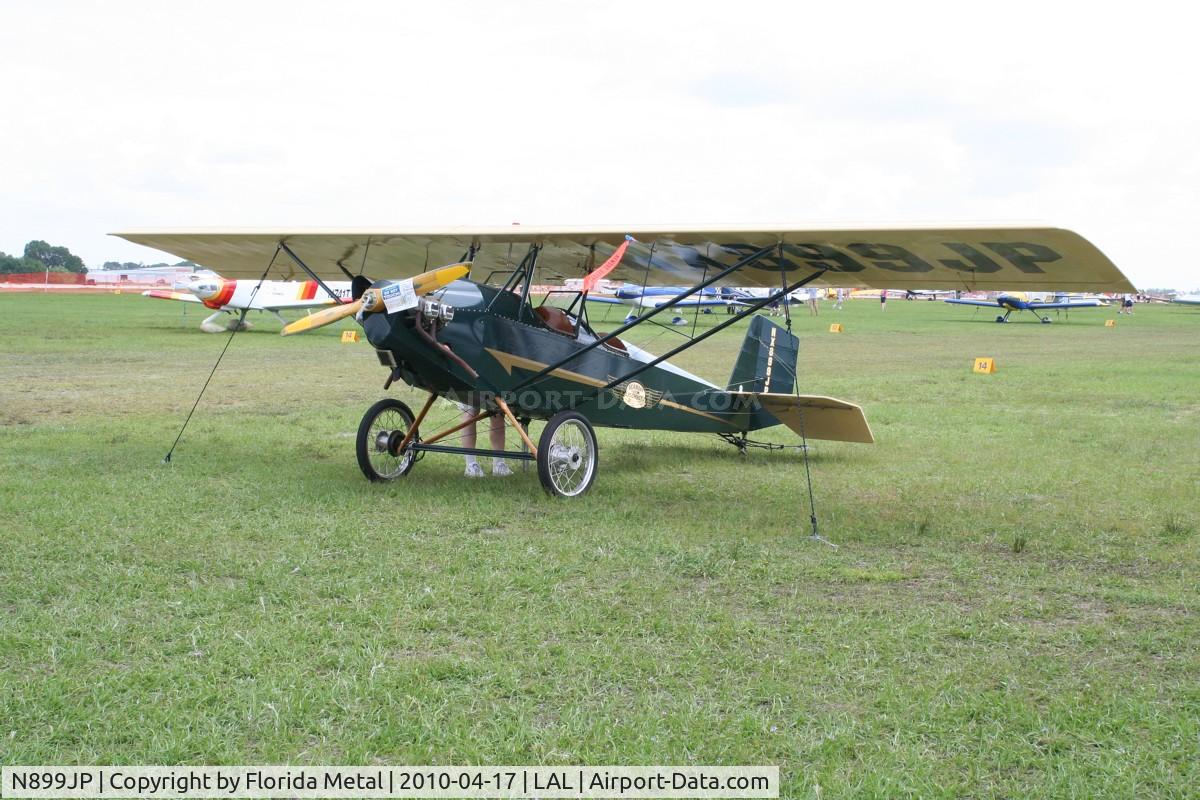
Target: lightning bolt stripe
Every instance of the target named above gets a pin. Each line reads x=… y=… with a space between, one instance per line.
x=509 y=360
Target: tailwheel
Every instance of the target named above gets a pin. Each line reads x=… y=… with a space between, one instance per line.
x=380 y=433
x=566 y=455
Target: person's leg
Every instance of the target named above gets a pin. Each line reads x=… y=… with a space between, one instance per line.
x=499 y=466
x=468 y=440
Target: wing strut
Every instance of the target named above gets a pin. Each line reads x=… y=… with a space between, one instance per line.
x=679 y=298
x=283 y=246
x=237 y=327
x=735 y=318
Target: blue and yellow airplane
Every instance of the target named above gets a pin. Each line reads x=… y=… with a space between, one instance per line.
x=1019 y=302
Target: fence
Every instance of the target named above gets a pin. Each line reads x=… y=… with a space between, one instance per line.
x=105 y=281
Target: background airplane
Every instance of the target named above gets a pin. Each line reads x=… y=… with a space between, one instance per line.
x=649 y=297
x=1018 y=302
x=927 y=294
x=233 y=296
x=1187 y=299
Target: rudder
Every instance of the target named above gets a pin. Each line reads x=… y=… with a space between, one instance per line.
x=767 y=362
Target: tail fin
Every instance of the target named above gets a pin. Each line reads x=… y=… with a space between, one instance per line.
x=767 y=362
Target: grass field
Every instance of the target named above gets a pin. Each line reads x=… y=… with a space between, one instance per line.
x=1011 y=612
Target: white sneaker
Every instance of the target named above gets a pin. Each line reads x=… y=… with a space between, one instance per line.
x=500 y=468
x=474 y=470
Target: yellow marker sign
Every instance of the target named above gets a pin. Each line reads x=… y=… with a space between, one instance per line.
x=1110 y=323
x=835 y=327
x=118 y=291
x=349 y=337
x=985 y=366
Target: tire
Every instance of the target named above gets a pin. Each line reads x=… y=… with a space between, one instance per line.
x=567 y=456
x=378 y=429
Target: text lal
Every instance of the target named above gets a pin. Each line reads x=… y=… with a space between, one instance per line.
x=553 y=780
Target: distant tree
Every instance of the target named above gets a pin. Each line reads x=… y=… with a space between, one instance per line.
x=56 y=259
x=186 y=263
x=11 y=264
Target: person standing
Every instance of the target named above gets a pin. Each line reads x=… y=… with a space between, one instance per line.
x=812 y=303
x=496 y=434
x=840 y=297
x=883 y=299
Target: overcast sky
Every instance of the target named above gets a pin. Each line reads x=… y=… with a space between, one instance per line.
x=123 y=115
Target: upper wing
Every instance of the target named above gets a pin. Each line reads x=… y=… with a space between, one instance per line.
x=1067 y=304
x=967 y=258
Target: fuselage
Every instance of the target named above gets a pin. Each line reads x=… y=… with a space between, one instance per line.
x=506 y=341
x=221 y=293
x=1012 y=301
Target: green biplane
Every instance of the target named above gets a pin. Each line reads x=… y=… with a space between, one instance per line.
x=472 y=332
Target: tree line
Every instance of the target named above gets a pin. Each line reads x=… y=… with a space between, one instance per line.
x=40 y=256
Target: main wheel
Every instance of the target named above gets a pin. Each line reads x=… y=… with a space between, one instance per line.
x=382 y=429
x=566 y=455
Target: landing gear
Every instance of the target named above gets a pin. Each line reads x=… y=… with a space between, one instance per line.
x=1003 y=318
x=738 y=440
x=567 y=455
x=1045 y=320
x=215 y=324
x=380 y=434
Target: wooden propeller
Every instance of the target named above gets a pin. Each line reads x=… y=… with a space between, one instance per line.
x=372 y=300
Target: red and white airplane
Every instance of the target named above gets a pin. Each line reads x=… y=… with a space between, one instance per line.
x=234 y=296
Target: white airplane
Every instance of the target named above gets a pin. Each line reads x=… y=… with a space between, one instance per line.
x=1187 y=299
x=927 y=294
x=644 y=298
x=234 y=296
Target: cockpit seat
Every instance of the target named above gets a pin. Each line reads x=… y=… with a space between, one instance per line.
x=556 y=319
x=614 y=343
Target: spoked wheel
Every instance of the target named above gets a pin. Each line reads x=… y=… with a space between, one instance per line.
x=566 y=455
x=382 y=429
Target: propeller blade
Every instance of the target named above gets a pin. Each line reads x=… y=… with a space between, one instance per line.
x=322 y=318
x=423 y=284
x=435 y=279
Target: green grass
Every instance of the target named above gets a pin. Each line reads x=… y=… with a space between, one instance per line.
x=1012 y=611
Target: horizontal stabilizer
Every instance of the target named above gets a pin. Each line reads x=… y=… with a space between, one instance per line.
x=816 y=417
x=163 y=294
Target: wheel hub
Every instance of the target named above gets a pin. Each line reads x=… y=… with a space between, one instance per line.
x=393 y=442
x=569 y=456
